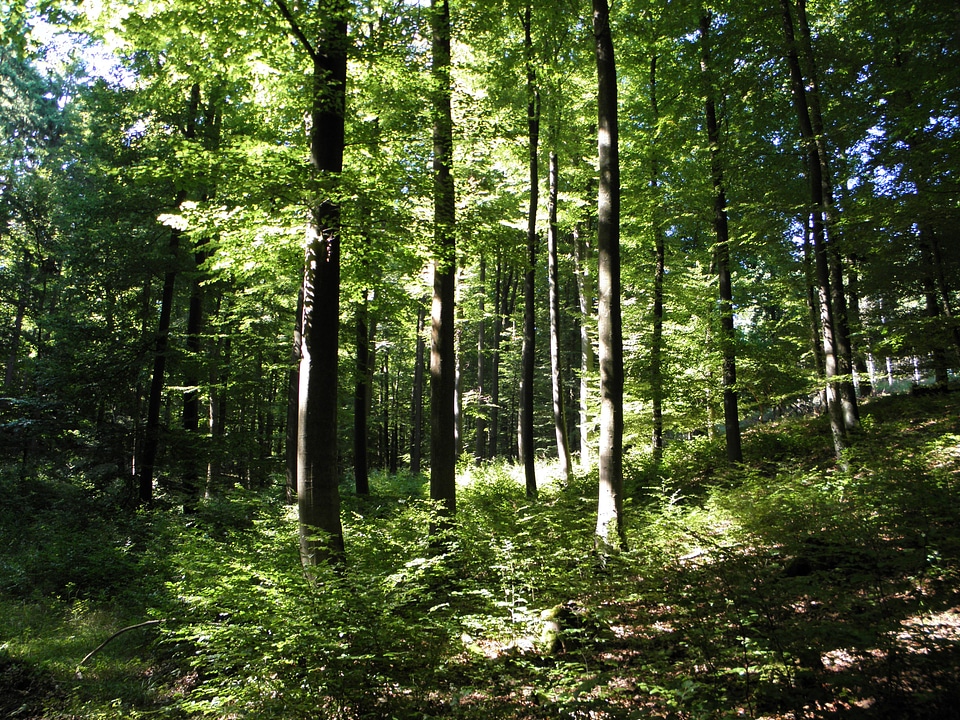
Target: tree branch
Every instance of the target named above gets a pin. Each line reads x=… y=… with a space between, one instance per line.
x=119 y=632
x=295 y=28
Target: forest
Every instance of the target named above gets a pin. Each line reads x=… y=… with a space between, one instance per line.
x=479 y=359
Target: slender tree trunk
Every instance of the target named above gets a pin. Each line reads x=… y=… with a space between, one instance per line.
x=587 y=358
x=813 y=305
x=480 y=441
x=151 y=440
x=610 y=528
x=416 y=409
x=10 y=372
x=821 y=261
x=731 y=418
x=859 y=362
x=556 y=368
x=293 y=404
x=443 y=465
x=660 y=255
x=841 y=326
x=932 y=301
x=318 y=493
x=528 y=353
x=361 y=392
x=501 y=292
x=191 y=396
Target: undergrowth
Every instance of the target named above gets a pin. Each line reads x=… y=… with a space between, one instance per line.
x=776 y=588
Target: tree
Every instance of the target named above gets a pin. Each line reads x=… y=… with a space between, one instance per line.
x=556 y=371
x=318 y=494
x=731 y=416
x=528 y=352
x=443 y=365
x=610 y=505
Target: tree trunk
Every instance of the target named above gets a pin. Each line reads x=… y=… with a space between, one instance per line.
x=821 y=261
x=731 y=418
x=416 y=409
x=841 y=326
x=318 y=493
x=443 y=366
x=191 y=395
x=587 y=359
x=293 y=405
x=361 y=393
x=941 y=377
x=501 y=293
x=528 y=353
x=863 y=384
x=660 y=254
x=151 y=441
x=556 y=369
x=610 y=528
x=480 y=441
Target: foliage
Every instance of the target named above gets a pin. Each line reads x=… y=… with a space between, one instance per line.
x=779 y=588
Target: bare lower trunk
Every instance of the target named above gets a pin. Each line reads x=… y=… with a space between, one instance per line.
x=556 y=370
x=443 y=465
x=610 y=529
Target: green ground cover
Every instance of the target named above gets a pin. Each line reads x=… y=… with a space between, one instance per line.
x=780 y=588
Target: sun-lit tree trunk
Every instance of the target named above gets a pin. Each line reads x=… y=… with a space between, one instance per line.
x=293 y=405
x=838 y=299
x=318 y=493
x=817 y=219
x=731 y=417
x=528 y=352
x=556 y=368
x=443 y=365
x=610 y=530
x=501 y=303
x=587 y=356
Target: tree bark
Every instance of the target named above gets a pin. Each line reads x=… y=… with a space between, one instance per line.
x=556 y=366
x=660 y=256
x=361 y=393
x=293 y=404
x=318 y=493
x=416 y=409
x=731 y=417
x=443 y=460
x=151 y=441
x=841 y=325
x=528 y=352
x=480 y=440
x=817 y=216
x=587 y=357
x=610 y=528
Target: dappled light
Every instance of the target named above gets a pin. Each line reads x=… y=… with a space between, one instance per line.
x=771 y=590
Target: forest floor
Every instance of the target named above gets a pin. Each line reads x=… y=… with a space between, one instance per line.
x=779 y=588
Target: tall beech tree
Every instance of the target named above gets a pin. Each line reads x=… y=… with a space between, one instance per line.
x=443 y=363
x=609 y=531
x=318 y=493
x=528 y=351
x=553 y=278
x=818 y=221
x=151 y=440
x=721 y=258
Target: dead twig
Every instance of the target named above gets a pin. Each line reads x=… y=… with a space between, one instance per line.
x=102 y=645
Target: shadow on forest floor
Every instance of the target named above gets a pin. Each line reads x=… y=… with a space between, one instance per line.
x=780 y=588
